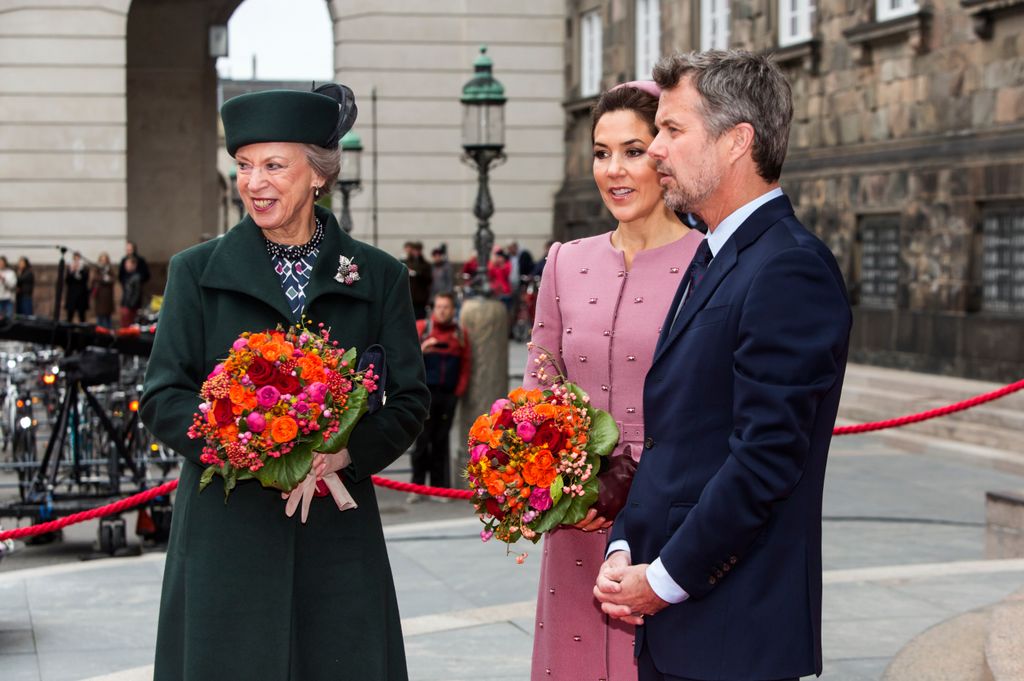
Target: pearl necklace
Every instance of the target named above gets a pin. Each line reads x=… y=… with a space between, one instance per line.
x=294 y=253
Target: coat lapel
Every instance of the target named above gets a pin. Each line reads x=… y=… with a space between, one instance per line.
x=747 y=233
x=241 y=264
x=337 y=243
x=720 y=266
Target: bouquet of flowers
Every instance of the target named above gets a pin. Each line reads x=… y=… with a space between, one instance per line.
x=534 y=459
x=279 y=397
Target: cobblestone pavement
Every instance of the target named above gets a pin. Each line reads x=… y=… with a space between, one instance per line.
x=903 y=551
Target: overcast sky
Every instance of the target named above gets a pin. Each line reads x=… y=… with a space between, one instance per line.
x=292 y=40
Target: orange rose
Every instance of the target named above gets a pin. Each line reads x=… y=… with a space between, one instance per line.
x=237 y=394
x=272 y=351
x=481 y=429
x=284 y=429
x=312 y=368
x=228 y=432
x=545 y=410
x=535 y=395
x=518 y=395
x=257 y=340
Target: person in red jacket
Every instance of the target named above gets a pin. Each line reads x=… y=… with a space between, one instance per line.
x=446 y=357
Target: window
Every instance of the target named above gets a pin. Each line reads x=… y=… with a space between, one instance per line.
x=879 y=260
x=1002 y=254
x=795 y=20
x=648 y=37
x=590 y=54
x=893 y=9
x=714 y=24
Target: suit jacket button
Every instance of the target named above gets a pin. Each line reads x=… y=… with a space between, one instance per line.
x=712 y=581
x=719 y=574
x=649 y=443
x=732 y=559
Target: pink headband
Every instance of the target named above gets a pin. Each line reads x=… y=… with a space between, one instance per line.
x=648 y=86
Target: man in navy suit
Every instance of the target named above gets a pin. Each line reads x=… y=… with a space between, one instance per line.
x=717 y=554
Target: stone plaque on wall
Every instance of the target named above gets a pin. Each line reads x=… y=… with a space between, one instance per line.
x=1002 y=272
x=879 y=260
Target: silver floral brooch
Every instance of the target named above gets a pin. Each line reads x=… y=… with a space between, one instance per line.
x=348 y=271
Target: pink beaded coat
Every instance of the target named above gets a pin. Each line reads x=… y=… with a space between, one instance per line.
x=604 y=323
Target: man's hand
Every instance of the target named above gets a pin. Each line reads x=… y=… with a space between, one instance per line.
x=623 y=590
x=428 y=344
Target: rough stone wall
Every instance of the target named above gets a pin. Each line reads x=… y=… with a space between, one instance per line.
x=925 y=124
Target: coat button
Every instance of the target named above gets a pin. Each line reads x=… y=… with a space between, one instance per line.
x=712 y=581
x=649 y=443
x=732 y=559
x=719 y=574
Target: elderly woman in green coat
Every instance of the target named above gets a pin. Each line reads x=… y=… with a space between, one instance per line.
x=250 y=592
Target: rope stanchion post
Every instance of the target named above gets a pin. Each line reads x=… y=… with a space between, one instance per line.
x=168 y=487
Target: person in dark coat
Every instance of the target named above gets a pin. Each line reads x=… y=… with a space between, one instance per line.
x=76 y=288
x=131 y=250
x=103 y=291
x=26 y=287
x=250 y=593
x=420 y=277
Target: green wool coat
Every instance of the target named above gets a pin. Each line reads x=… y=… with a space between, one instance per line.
x=250 y=594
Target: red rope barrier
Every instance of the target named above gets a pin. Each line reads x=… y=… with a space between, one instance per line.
x=421 y=489
x=109 y=509
x=167 y=487
x=932 y=413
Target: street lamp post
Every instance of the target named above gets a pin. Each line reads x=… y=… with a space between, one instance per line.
x=349 y=180
x=483 y=141
x=484 y=317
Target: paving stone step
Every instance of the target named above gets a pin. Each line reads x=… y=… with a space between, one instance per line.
x=889 y=403
x=1004 y=645
x=946 y=428
x=953 y=650
x=940 y=387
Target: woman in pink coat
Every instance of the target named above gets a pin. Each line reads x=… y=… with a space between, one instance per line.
x=602 y=302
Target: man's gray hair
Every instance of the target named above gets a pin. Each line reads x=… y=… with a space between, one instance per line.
x=325 y=162
x=738 y=87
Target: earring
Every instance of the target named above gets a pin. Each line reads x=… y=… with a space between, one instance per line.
x=316 y=192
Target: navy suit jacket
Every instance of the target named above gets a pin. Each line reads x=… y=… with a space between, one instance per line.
x=739 y=406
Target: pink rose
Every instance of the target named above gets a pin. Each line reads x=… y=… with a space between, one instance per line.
x=317 y=392
x=267 y=396
x=526 y=431
x=499 y=405
x=478 y=452
x=240 y=344
x=256 y=422
x=540 y=498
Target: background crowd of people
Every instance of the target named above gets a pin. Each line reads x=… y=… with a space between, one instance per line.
x=91 y=289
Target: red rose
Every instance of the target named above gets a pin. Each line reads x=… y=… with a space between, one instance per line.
x=497 y=457
x=286 y=383
x=222 y=412
x=494 y=508
x=504 y=419
x=261 y=372
x=548 y=437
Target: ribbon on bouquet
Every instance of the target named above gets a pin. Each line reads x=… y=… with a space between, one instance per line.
x=308 y=489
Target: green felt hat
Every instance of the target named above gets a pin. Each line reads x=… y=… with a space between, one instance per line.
x=320 y=117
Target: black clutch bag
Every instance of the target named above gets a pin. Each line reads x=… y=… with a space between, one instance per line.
x=614 y=481
x=375 y=355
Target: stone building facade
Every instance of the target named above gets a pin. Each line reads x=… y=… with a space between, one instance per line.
x=906 y=157
x=109 y=130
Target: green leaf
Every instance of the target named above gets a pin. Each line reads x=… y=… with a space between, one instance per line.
x=230 y=480
x=604 y=434
x=556 y=490
x=551 y=518
x=580 y=505
x=579 y=392
x=286 y=472
x=207 y=476
x=350 y=358
x=355 y=408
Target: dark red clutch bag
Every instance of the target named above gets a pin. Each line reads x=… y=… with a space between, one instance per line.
x=614 y=481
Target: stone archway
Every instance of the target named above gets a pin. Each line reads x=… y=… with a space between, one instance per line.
x=174 y=192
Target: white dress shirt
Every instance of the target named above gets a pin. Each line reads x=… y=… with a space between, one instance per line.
x=657 y=576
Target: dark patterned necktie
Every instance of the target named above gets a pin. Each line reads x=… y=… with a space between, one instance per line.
x=698 y=266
